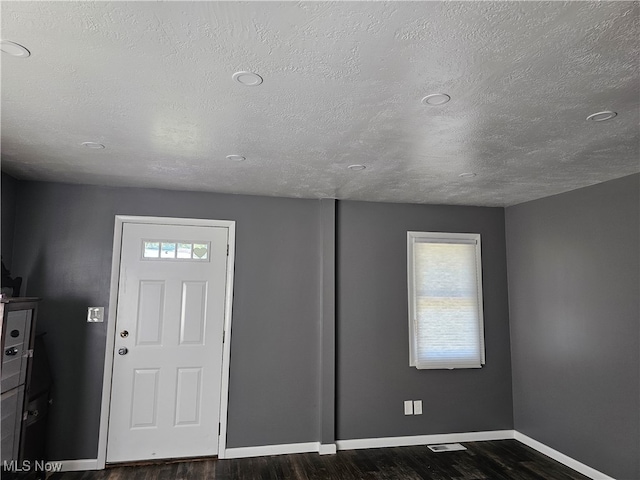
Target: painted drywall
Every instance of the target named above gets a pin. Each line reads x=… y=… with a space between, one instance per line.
x=9 y=189
x=328 y=321
x=373 y=372
x=63 y=248
x=573 y=263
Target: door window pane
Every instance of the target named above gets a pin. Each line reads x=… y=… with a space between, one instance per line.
x=200 y=251
x=151 y=249
x=184 y=250
x=168 y=250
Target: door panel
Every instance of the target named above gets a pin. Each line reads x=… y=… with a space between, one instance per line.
x=188 y=396
x=150 y=310
x=167 y=364
x=144 y=404
x=193 y=315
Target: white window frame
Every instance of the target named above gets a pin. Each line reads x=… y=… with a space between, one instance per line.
x=440 y=237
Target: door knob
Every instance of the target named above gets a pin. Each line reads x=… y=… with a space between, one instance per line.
x=124 y=334
x=9 y=352
x=123 y=351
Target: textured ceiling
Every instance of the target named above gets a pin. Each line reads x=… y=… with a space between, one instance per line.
x=342 y=85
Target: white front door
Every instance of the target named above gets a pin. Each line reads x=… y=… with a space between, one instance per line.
x=167 y=360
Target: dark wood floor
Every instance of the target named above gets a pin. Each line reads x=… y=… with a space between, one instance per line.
x=495 y=460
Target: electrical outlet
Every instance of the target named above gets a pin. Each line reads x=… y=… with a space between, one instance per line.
x=408 y=407
x=95 y=314
x=417 y=407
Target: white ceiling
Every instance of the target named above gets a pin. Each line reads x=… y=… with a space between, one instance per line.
x=342 y=85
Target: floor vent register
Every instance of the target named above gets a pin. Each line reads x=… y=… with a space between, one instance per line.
x=446 y=447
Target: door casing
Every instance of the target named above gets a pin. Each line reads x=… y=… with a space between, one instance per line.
x=120 y=220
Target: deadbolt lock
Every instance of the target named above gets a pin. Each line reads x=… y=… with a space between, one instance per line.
x=124 y=334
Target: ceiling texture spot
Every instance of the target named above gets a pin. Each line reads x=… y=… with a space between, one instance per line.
x=343 y=86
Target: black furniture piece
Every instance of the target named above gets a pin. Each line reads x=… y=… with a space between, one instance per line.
x=38 y=401
x=17 y=340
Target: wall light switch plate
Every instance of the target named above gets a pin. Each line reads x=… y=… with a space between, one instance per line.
x=417 y=407
x=408 y=407
x=95 y=314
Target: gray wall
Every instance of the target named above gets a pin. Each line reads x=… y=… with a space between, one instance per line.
x=63 y=248
x=573 y=266
x=9 y=191
x=573 y=285
x=373 y=373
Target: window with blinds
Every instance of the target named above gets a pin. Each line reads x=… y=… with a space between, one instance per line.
x=445 y=300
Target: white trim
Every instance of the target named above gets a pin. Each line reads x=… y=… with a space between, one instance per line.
x=561 y=457
x=384 y=442
x=226 y=345
x=79 y=465
x=473 y=239
x=268 y=450
x=473 y=437
x=327 y=449
x=111 y=326
x=192 y=222
x=109 y=344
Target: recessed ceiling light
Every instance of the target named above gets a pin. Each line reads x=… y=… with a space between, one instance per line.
x=14 y=49
x=236 y=158
x=356 y=167
x=248 y=79
x=436 y=99
x=94 y=145
x=602 y=116
x=467 y=175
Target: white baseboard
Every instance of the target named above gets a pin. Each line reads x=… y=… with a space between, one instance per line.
x=79 y=465
x=327 y=449
x=561 y=457
x=360 y=443
x=423 y=439
x=267 y=450
x=330 y=448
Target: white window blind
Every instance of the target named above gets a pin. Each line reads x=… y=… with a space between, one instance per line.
x=445 y=300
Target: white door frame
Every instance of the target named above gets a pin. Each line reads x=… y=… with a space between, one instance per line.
x=111 y=325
